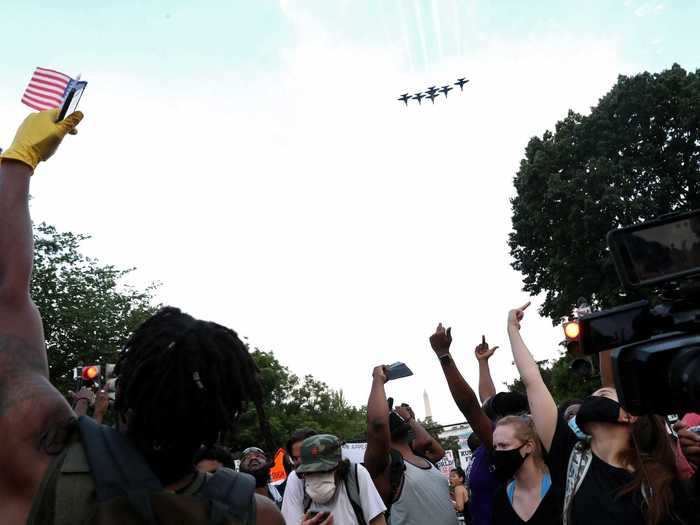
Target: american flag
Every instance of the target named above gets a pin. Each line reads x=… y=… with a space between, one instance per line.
x=46 y=89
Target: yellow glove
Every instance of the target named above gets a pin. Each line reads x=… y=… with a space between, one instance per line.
x=39 y=136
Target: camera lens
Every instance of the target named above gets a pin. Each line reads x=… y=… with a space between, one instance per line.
x=684 y=377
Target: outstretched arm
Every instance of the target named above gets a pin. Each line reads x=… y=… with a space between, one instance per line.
x=28 y=402
x=462 y=393
x=378 y=434
x=483 y=353
x=542 y=405
x=424 y=444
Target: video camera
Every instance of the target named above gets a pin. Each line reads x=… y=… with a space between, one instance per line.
x=655 y=341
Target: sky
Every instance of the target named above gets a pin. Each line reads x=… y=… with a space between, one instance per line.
x=252 y=157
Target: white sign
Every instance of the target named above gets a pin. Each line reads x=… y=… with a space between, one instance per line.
x=355 y=452
x=446 y=464
x=465 y=458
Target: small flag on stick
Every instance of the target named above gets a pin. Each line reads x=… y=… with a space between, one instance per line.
x=46 y=89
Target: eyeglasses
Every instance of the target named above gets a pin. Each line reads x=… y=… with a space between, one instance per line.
x=253 y=450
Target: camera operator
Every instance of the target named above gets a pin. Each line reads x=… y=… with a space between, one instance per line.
x=627 y=474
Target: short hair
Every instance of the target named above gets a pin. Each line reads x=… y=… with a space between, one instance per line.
x=215 y=453
x=473 y=441
x=181 y=382
x=297 y=436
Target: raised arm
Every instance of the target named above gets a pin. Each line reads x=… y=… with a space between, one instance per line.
x=424 y=444
x=462 y=393
x=542 y=405
x=28 y=402
x=378 y=434
x=483 y=353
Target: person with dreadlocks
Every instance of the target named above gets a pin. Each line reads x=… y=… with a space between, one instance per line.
x=181 y=382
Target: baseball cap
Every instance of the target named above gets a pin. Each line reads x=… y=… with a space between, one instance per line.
x=320 y=453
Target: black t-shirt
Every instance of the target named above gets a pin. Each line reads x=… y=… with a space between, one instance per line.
x=598 y=499
x=549 y=511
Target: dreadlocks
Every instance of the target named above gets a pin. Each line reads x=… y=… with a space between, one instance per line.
x=181 y=382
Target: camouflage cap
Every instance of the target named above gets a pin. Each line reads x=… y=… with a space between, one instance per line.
x=320 y=453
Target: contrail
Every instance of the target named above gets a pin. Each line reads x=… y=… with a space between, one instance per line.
x=421 y=34
x=436 y=25
x=458 y=28
x=404 y=35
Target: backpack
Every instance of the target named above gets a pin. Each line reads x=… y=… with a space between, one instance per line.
x=125 y=490
x=579 y=462
x=352 y=487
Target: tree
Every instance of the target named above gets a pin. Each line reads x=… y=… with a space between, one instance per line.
x=560 y=381
x=636 y=156
x=87 y=310
x=292 y=403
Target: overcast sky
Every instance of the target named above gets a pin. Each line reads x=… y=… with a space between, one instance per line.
x=253 y=158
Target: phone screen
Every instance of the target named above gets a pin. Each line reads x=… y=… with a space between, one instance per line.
x=72 y=99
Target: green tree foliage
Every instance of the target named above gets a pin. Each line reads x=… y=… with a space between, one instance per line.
x=636 y=156
x=561 y=381
x=88 y=311
x=292 y=403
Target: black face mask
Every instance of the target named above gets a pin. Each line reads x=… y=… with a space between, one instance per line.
x=507 y=462
x=598 y=409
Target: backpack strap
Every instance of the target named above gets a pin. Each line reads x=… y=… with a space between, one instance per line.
x=397 y=468
x=117 y=468
x=352 y=487
x=579 y=461
x=231 y=493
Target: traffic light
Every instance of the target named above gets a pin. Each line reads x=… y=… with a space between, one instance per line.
x=90 y=373
x=572 y=331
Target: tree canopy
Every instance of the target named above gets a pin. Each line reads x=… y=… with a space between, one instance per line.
x=636 y=156
x=87 y=310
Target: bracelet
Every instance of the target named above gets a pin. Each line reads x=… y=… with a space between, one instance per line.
x=446 y=359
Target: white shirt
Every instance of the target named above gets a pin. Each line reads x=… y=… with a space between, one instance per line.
x=340 y=506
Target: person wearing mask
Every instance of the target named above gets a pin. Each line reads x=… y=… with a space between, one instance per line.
x=399 y=457
x=625 y=475
x=182 y=381
x=254 y=461
x=482 y=482
x=460 y=494
x=526 y=493
x=328 y=487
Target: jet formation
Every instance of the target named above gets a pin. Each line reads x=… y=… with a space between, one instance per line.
x=433 y=92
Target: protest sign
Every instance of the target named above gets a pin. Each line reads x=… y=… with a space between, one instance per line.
x=355 y=452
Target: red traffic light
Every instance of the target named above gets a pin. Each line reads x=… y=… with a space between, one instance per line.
x=90 y=373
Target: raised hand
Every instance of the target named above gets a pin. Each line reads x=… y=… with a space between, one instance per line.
x=39 y=136
x=441 y=340
x=379 y=372
x=101 y=405
x=516 y=316
x=322 y=518
x=84 y=394
x=482 y=351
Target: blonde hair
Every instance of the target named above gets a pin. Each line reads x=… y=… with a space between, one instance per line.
x=525 y=431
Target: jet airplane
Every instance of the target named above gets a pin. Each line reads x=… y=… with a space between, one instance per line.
x=432 y=97
x=404 y=98
x=460 y=82
x=419 y=97
x=431 y=90
x=445 y=89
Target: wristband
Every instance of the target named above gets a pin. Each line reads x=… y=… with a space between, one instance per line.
x=446 y=359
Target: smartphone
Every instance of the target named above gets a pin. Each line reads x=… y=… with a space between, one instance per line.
x=695 y=429
x=324 y=515
x=397 y=371
x=73 y=93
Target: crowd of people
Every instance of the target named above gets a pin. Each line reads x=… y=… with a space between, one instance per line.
x=183 y=382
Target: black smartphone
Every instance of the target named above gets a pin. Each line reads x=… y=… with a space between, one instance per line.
x=324 y=515
x=397 y=371
x=73 y=94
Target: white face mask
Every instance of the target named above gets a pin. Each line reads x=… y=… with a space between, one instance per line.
x=320 y=487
